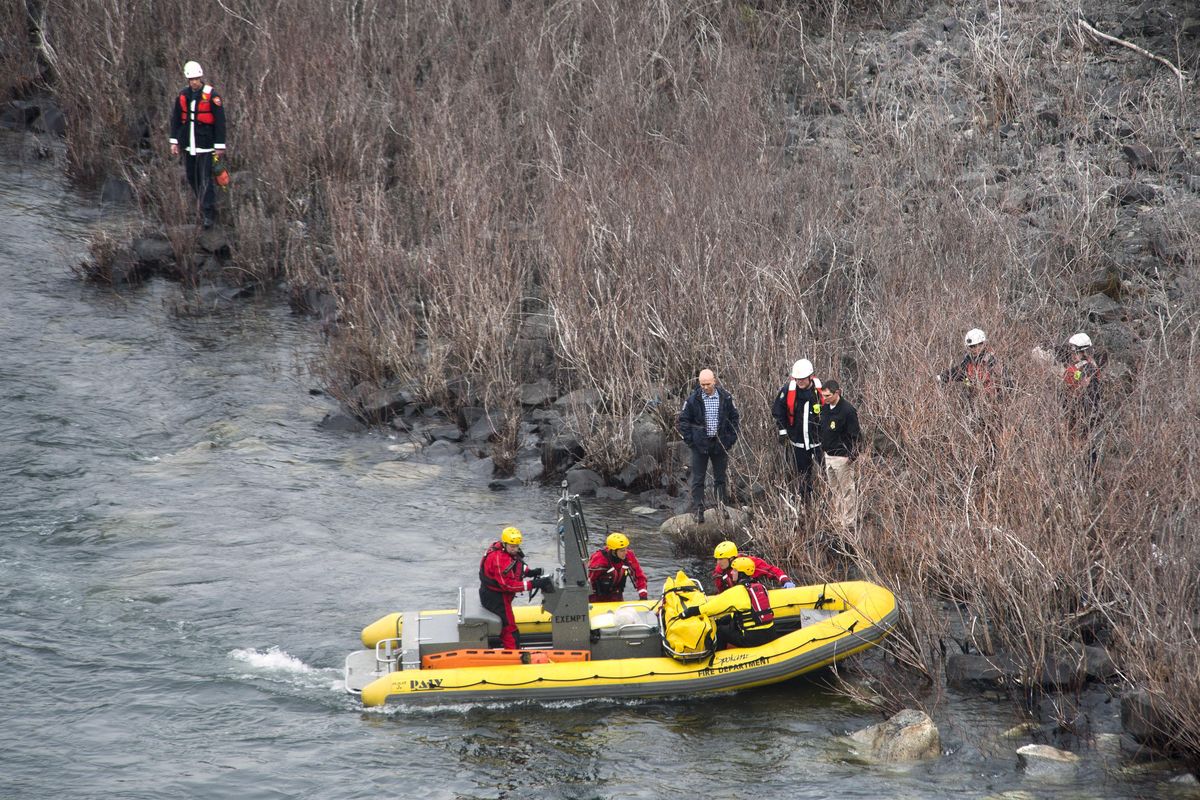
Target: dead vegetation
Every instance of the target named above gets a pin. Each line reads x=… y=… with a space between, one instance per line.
x=616 y=195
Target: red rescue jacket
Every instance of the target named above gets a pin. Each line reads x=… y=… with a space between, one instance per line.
x=503 y=573
x=607 y=574
x=723 y=579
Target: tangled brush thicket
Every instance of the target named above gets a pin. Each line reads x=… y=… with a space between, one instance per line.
x=673 y=185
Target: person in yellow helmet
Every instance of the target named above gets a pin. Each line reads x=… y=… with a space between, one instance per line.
x=610 y=568
x=742 y=613
x=502 y=576
x=723 y=573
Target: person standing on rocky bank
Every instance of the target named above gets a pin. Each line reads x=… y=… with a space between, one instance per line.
x=840 y=436
x=709 y=423
x=198 y=130
x=797 y=413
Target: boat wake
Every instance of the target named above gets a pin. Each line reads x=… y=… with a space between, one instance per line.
x=280 y=666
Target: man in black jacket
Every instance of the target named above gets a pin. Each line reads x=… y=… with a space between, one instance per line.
x=198 y=130
x=709 y=423
x=840 y=436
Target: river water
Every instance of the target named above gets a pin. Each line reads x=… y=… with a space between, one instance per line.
x=185 y=559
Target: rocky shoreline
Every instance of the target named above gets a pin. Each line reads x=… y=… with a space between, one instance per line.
x=1119 y=278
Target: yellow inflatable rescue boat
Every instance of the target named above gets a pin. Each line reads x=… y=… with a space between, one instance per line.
x=573 y=650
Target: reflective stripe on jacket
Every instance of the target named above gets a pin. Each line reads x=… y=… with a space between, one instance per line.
x=202 y=108
x=801 y=428
x=607 y=574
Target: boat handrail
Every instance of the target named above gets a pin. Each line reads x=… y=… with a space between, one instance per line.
x=387 y=653
x=702 y=654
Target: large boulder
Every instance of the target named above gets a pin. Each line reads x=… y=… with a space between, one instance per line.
x=116 y=190
x=1047 y=763
x=1102 y=308
x=18 y=114
x=699 y=538
x=215 y=241
x=486 y=428
x=648 y=438
x=975 y=671
x=153 y=251
x=583 y=481
x=1128 y=193
x=1066 y=670
x=376 y=403
x=341 y=423
x=443 y=433
x=561 y=451
x=51 y=120
x=538 y=393
x=638 y=474
x=530 y=469
x=910 y=735
x=1143 y=718
x=583 y=401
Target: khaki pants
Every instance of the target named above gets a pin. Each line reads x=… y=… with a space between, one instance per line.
x=843 y=493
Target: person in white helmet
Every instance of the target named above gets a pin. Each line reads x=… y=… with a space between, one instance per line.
x=1081 y=377
x=797 y=413
x=198 y=132
x=978 y=370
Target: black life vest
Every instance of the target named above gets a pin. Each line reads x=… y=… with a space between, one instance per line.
x=606 y=584
x=517 y=565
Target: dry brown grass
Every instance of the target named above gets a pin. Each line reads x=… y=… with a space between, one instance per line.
x=642 y=174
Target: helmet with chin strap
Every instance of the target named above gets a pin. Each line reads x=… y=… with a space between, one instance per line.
x=974 y=336
x=725 y=550
x=802 y=369
x=743 y=565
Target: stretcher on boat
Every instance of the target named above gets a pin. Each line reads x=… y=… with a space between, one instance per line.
x=576 y=650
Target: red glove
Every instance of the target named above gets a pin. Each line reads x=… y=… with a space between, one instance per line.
x=642 y=594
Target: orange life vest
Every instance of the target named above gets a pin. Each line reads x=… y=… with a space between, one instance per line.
x=204 y=112
x=979 y=373
x=791 y=402
x=1077 y=376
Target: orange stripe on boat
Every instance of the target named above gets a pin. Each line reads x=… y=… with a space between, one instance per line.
x=453 y=659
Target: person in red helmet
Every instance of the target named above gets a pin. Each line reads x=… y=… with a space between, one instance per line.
x=723 y=577
x=611 y=567
x=502 y=576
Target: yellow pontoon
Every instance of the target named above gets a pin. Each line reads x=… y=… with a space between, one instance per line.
x=637 y=649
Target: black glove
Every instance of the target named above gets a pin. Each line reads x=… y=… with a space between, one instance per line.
x=545 y=584
x=783 y=437
x=536 y=572
x=690 y=611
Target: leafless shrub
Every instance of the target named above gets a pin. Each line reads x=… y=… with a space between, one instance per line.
x=105 y=252
x=18 y=59
x=647 y=177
